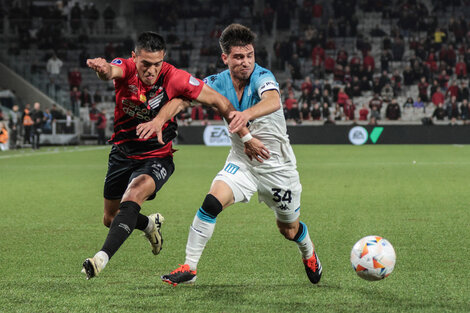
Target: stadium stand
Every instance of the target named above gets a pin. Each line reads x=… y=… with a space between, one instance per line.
x=362 y=52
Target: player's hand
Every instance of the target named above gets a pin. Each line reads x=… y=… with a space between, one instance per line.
x=100 y=66
x=239 y=120
x=146 y=130
x=257 y=150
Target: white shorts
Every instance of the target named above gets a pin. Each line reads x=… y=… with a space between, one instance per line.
x=280 y=190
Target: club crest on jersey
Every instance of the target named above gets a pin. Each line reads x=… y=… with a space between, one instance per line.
x=154 y=101
x=143 y=98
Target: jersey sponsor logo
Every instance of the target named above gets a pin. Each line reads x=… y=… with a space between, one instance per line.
x=135 y=110
x=231 y=168
x=133 y=89
x=193 y=81
x=117 y=62
x=216 y=135
x=262 y=73
x=269 y=85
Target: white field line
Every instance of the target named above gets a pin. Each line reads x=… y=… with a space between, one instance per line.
x=54 y=151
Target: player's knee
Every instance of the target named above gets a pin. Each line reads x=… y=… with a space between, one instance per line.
x=288 y=233
x=107 y=220
x=212 y=205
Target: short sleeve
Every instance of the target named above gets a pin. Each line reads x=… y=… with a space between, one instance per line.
x=124 y=65
x=265 y=81
x=183 y=84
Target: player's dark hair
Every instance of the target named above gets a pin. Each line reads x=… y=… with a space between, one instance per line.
x=151 y=42
x=236 y=35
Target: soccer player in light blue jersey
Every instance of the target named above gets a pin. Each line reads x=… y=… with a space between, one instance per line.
x=254 y=92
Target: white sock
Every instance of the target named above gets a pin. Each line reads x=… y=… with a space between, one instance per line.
x=149 y=227
x=304 y=242
x=199 y=234
x=101 y=259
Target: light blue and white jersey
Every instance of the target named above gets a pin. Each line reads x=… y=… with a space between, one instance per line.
x=270 y=129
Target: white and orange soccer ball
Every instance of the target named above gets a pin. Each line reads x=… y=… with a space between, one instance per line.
x=373 y=258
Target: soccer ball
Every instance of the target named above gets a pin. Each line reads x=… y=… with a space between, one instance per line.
x=373 y=258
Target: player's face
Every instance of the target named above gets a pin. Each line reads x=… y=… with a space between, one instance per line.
x=240 y=61
x=148 y=65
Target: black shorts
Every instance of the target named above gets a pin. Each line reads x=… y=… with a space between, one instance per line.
x=121 y=170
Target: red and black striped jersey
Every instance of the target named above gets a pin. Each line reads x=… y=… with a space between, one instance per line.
x=139 y=103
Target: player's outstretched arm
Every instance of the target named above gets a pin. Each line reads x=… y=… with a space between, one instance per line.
x=166 y=113
x=253 y=147
x=270 y=102
x=104 y=70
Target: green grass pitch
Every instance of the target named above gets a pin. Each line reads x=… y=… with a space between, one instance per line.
x=51 y=211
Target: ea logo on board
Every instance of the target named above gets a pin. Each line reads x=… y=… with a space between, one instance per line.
x=358 y=135
x=216 y=135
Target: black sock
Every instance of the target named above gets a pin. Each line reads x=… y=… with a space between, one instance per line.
x=142 y=222
x=121 y=227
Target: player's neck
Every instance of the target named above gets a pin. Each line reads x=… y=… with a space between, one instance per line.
x=239 y=84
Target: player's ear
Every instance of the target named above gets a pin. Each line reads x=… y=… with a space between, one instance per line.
x=224 y=58
x=133 y=56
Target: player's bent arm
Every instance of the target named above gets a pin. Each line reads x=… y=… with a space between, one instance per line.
x=166 y=113
x=104 y=70
x=254 y=148
x=270 y=102
x=210 y=97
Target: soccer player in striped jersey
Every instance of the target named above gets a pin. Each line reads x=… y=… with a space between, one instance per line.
x=139 y=167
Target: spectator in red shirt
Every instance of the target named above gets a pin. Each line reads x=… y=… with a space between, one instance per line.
x=307 y=84
x=349 y=110
x=329 y=65
x=453 y=89
x=317 y=10
x=461 y=69
x=75 y=78
x=368 y=61
x=431 y=61
x=342 y=97
x=318 y=55
x=290 y=101
x=423 y=89
x=451 y=56
x=101 y=127
x=437 y=97
x=363 y=113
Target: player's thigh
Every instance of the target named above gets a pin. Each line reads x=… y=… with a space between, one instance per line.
x=157 y=170
x=237 y=177
x=117 y=178
x=281 y=191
